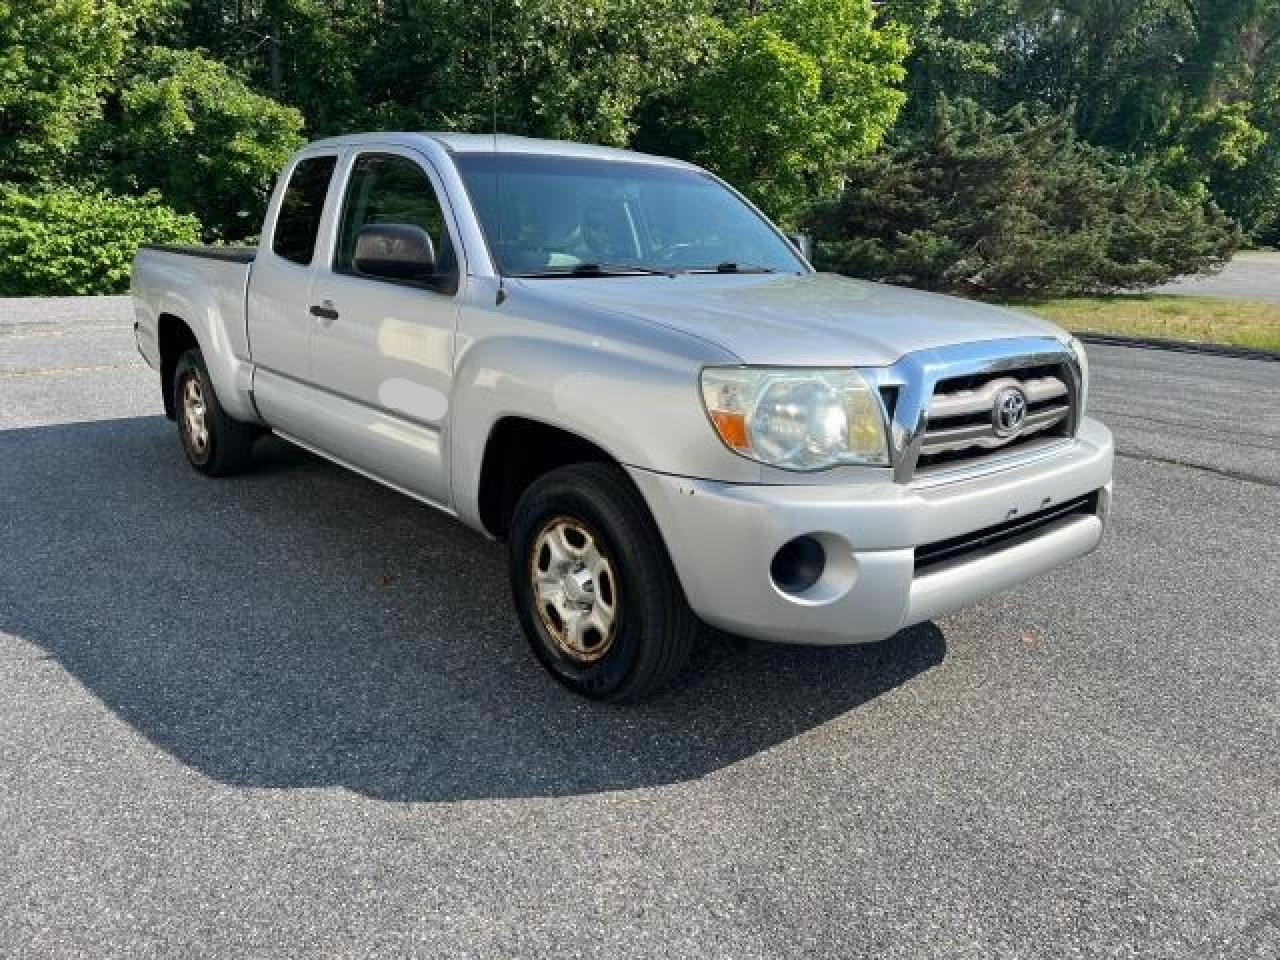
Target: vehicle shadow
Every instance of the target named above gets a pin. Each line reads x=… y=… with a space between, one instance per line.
x=301 y=626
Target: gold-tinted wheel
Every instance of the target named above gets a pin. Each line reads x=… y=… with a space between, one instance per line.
x=215 y=443
x=194 y=417
x=575 y=589
x=595 y=591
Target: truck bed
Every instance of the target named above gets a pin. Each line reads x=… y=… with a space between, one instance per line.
x=205 y=289
x=229 y=254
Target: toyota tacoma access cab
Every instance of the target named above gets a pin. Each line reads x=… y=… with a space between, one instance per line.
x=618 y=366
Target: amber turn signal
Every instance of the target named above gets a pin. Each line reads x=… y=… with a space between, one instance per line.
x=732 y=427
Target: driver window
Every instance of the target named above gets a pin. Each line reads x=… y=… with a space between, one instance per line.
x=393 y=193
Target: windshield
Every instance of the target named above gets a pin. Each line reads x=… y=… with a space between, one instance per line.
x=574 y=216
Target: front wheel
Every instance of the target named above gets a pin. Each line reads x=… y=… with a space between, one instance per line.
x=593 y=586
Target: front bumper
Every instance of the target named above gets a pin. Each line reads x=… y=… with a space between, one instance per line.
x=723 y=537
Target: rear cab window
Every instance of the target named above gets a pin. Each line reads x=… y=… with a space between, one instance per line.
x=301 y=208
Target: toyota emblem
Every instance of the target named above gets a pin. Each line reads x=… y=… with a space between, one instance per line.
x=1009 y=412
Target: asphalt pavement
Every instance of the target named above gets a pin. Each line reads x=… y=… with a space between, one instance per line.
x=290 y=714
x=1252 y=275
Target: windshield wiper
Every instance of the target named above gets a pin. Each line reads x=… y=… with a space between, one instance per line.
x=730 y=266
x=599 y=270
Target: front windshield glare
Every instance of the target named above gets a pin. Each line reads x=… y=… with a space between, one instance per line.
x=546 y=215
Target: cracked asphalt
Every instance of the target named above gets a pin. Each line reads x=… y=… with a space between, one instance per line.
x=289 y=714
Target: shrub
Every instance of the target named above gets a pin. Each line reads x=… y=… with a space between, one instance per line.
x=191 y=128
x=67 y=241
x=1013 y=205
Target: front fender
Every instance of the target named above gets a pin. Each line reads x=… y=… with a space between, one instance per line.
x=638 y=404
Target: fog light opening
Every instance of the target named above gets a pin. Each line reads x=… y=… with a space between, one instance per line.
x=798 y=564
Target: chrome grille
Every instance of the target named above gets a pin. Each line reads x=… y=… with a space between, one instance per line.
x=940 y=405
x=961 y=424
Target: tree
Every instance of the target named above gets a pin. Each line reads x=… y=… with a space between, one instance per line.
x=188 y=127
x=789 y=93
x=775 y=94
x=557 y=68
x=76 y=109
x=1184 y=84
x=782 y=97
x=56 y=58
x=1014 y=205
x=957 y=50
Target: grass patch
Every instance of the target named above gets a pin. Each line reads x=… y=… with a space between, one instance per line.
x=1238 y=323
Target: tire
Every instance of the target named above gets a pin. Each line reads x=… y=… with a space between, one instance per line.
x=637 y=632
x=214 y=443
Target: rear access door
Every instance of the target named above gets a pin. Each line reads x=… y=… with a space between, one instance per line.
x=280 y=319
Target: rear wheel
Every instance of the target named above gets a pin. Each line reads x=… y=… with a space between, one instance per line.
x=594 y=588
x=215 y=444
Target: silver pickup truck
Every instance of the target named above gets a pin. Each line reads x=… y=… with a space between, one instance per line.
x=615 y=363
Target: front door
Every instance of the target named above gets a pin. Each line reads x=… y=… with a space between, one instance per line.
x=384 y=348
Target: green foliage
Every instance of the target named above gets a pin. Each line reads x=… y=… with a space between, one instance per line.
x=191 y=129
x=790 y=93
x=574 y=69
x=74 y=109
x=956 y=49
x=67 y=241
x=775 y=94
x=1184 y=84
x=1014 y=205
x=580 y=69
x=781 y=97
x=56 y=57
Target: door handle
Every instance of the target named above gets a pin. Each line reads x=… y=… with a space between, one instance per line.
x=325 y=312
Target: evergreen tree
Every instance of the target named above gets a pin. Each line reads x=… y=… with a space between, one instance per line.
x=1013 y=205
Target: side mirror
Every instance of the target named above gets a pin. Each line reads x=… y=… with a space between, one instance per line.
x=803 y=243
x=395 y=251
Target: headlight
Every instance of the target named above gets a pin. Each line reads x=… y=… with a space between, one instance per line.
x=797 y=419
x=1082 y=360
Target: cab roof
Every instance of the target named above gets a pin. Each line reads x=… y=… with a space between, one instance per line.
x=501 y=143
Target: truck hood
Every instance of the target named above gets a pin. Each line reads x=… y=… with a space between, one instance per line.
x=817 y=319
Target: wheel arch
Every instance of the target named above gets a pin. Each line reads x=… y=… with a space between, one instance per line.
x=517 y=451
x=174 y=336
